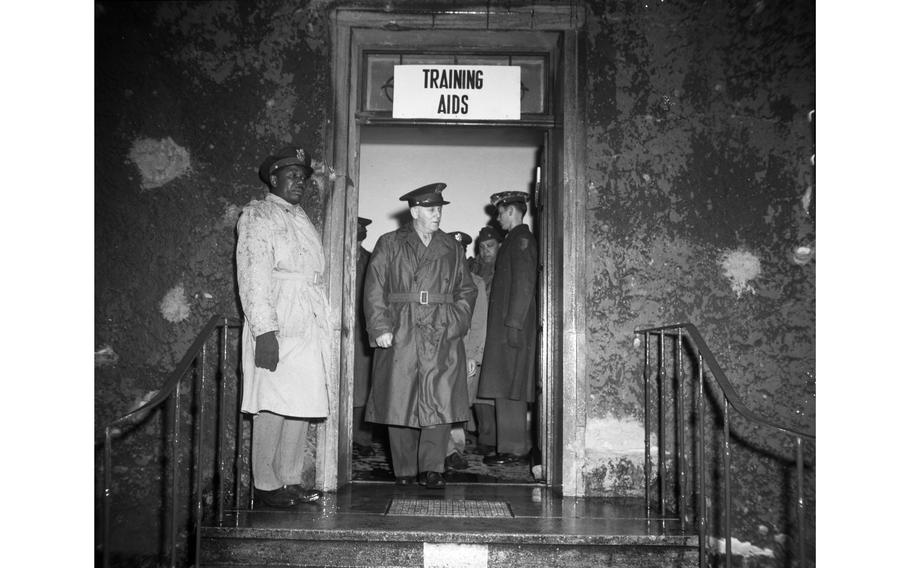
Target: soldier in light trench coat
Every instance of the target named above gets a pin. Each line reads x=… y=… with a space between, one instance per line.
x=418 y=300
x=285 y=329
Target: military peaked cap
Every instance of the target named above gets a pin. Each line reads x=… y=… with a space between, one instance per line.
x=363 y=221
x=426 y=196
x=487 y=233
x=463 y=238
x=287 y=156
x=506 y=197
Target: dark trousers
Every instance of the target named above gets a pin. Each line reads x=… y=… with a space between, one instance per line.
x=486 y=424
x=418 y=449
x=361 y=432
x=513 y=436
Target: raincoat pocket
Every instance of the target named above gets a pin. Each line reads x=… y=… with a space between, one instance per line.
x=292 y=320
x=454 y=328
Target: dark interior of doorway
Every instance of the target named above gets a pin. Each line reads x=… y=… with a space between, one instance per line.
x=374 y=464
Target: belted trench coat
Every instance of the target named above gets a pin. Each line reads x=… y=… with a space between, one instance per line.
x=421 y=379
x=279 y=274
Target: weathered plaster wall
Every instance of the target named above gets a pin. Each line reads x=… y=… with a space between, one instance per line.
x=190 y=96
x=700 y=163
x=700 y=197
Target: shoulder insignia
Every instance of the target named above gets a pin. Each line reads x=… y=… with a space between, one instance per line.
x=523 y=243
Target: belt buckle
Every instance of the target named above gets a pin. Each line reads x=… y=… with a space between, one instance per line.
x=424 y=297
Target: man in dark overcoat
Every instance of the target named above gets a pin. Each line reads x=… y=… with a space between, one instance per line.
x=508 y=370
x=418 y=300
x=362 y=432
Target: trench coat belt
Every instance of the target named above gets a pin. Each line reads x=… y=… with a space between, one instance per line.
x=310 y=277
x=422 y=297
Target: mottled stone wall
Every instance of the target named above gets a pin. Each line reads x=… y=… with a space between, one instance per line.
x=190 y=96
x=700 y=163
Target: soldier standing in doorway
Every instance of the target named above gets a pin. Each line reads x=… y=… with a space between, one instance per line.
x=418 y=300
x=488 y=241
x=508 y=370
x=363 y=352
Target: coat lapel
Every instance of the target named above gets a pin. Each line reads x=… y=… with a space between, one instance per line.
x=438 y=247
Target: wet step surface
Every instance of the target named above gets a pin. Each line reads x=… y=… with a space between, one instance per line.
x=541 y=529
x=361 y=508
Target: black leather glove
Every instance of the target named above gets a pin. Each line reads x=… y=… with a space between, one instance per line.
x=512 y=336
x=267 y=351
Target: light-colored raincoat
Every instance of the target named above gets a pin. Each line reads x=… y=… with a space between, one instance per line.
x=279 y=272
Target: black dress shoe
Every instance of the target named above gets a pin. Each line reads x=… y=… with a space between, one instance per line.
x=455 y=461
x=305 y=495
x=505 y=459
x=281 y=498
x=432 y=480
x=406 y=480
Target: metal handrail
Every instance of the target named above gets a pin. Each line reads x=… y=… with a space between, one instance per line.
x=704 y=357
x=722 y=380
x=170 y=391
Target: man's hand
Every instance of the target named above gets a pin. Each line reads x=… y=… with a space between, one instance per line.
x=472 y=367
x=384 y=340
x=512 y=337
x=267 y=351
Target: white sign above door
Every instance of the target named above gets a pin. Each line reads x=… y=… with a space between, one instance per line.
x=457 y=92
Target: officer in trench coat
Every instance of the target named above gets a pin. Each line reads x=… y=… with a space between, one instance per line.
x=508 y=370
x=418 y=300
x=285 y=346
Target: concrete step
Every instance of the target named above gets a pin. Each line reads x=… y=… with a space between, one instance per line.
x=381 y=525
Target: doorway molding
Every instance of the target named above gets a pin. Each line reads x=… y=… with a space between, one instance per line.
x=563 y=258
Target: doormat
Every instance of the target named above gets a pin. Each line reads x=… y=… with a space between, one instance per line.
x=472 y=508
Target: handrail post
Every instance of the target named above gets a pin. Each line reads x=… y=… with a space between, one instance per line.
x=106 y=508
x=200 y=433
x=700 y=450
x=681 y=433
x=647 y=427
x=175 y=457
x=800 y=502
x=238 y=445
x=728 y=531
x=661 y=419
x=219 y=420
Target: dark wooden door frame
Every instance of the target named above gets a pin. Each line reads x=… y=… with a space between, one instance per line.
x=562 y=357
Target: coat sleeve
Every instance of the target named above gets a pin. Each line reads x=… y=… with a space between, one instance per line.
x=376 y=310
x=255 y=260
x=477 y=335
x=464 y=294
x=523 y=282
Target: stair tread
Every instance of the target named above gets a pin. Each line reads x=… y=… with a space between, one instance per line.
x=541 y=516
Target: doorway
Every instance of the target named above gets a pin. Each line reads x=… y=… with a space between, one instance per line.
x=474 y=162
x=364 y=41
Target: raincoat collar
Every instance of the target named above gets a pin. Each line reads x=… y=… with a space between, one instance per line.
x=439 y=244
x=289 y=207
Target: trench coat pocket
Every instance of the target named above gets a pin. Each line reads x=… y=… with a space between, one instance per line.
x=454 y=327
